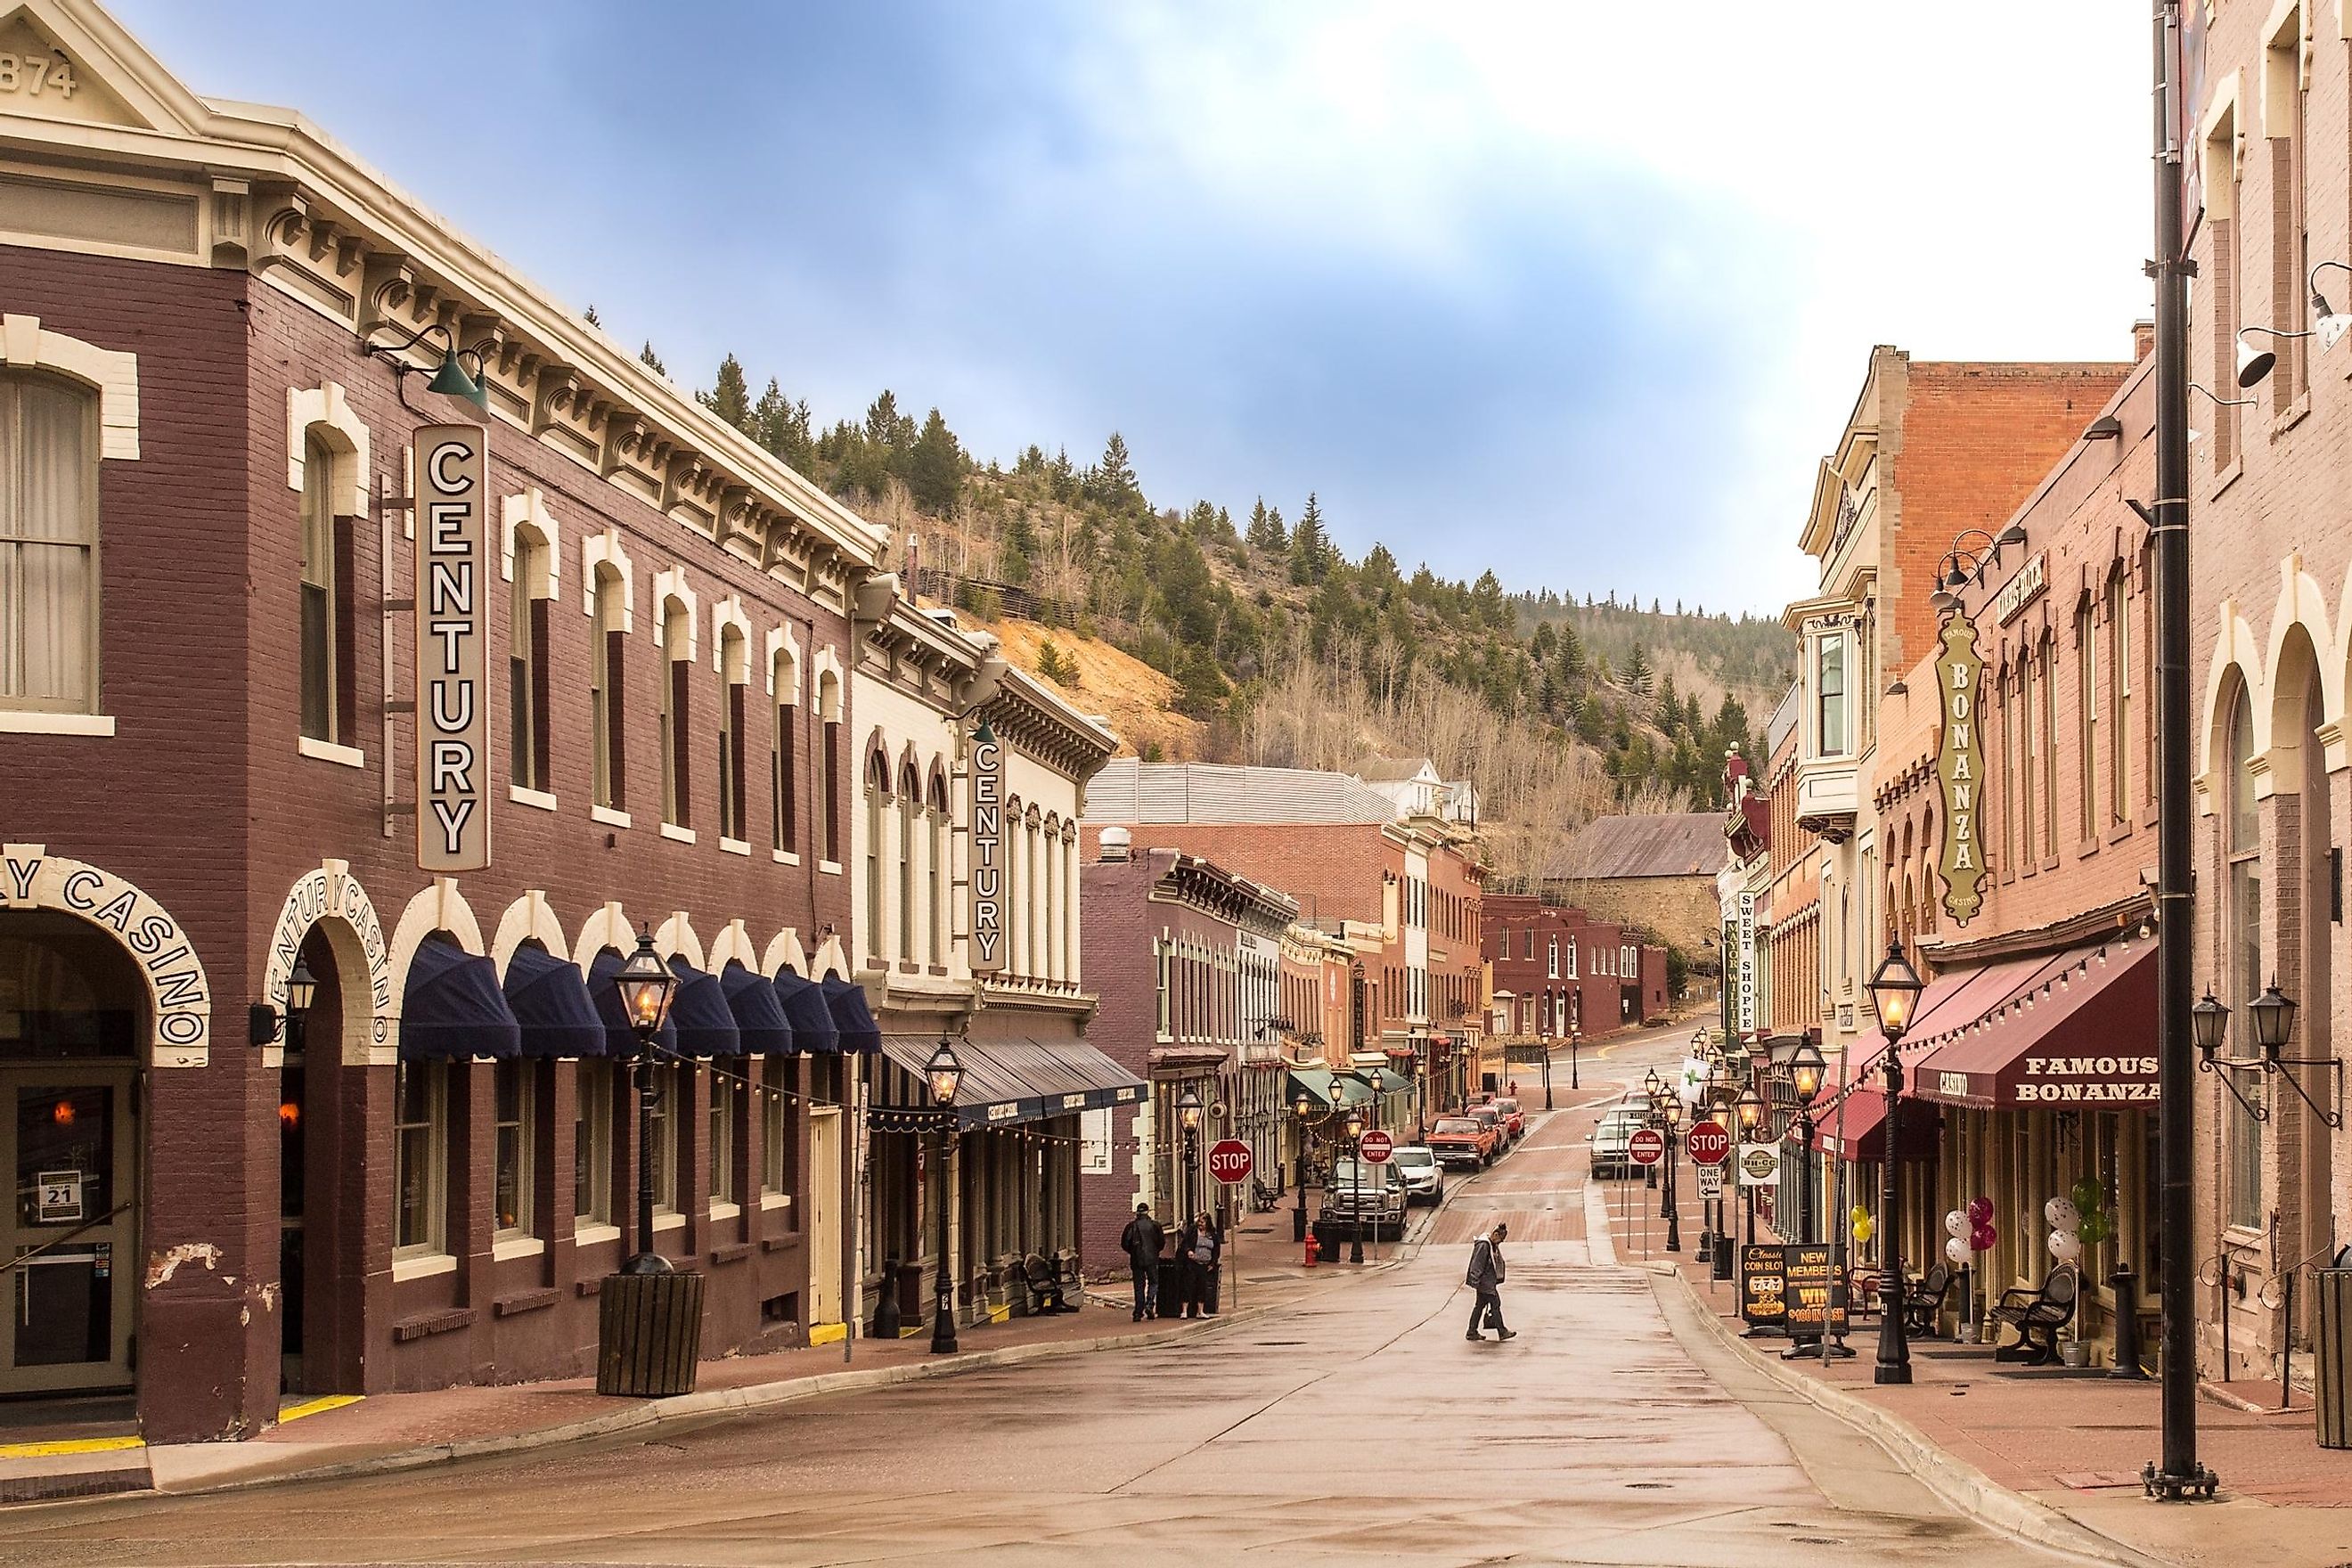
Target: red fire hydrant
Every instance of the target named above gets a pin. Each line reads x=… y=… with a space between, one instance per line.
x=1314 y=1248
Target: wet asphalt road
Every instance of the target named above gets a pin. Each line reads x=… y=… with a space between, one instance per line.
x=1356 y=1426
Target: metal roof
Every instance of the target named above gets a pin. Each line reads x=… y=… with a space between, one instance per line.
x=1679 y=844
x=1127 y=790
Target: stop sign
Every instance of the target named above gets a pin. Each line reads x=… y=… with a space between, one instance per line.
x=1646 y=1147
x=1229 y=1161
x=1708 y=1143
x=1375 y=1147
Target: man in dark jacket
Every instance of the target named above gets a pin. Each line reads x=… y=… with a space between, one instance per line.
x=1142 y=1241
x=1486 y=1276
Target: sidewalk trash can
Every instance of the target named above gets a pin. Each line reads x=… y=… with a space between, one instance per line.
x=1212 y=1278
x=1171 y=1287
x=2332 y=1354
x=648 y=1334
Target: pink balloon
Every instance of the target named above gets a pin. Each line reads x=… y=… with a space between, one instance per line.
x=1980 y=1211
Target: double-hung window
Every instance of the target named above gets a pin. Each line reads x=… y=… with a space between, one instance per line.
x=48 y=545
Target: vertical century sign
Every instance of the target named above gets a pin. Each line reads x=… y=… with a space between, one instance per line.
x=452 y=721
x=987 y=852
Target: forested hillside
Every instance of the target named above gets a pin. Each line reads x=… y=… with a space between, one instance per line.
x=1285 y=650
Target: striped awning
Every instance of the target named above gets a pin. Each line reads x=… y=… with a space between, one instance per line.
x=1014 y=1080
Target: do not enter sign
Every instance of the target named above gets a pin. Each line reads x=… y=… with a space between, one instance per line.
x=1375 y=1147
x=1708 y=1143
x=1229 y=1161
x=1646 y=1147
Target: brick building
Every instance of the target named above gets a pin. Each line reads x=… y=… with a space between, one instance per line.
x=419 y=1179
x=1654 y=872
x=1337 y=847
x=2271 y=562
x=1188 y=970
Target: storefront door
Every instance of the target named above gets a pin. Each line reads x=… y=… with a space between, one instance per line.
x=824 y=1217
x=67 y=1133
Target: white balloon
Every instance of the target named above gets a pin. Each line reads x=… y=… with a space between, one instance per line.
x=1956 y=1223
x=2062 y=1214
x=2065 y=1246
x=1956 y=1249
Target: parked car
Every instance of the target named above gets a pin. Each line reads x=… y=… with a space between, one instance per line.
x=1363 y=1193
x=1492 y=1118
x=1463 y=1140
x=1612 y=1141
x=1514 y=1117
x=1424 y=1178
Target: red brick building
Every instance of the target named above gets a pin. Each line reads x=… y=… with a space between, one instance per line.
x=351 y=1199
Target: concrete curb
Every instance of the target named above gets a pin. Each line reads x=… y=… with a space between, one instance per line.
x=1950 y=1478
x=649 y=1414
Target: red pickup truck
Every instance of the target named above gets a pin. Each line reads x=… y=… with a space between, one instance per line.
x=1515 y=1121
x=1463 y=1140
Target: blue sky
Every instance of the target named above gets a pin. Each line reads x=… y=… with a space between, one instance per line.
x=1566 y=291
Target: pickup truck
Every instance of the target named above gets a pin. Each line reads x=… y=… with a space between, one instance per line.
x=1514 y=1119
x=1363 y=1195
x=1463 y=1140
x=1495 y=1120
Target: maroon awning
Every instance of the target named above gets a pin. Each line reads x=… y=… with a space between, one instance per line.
x=2078 y=1028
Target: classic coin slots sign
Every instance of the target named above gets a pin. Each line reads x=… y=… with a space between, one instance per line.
x=453 y=720
x=987 y=853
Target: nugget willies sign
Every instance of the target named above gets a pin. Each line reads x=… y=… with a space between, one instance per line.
x=453 y=720
x=1959 y=766
x=987 y=852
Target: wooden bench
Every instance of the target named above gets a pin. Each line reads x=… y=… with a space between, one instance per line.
x=2037 y=1315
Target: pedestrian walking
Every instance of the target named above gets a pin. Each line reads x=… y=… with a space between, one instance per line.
x=1142 y=1241
x=1486 y=1276
x=1198 y=1250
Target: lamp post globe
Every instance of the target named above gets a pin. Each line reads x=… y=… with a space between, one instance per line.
x=2208 y=1025
x=1355 y=1128
x=645 y=984
x=1302 y=1107
x=943 y=1074
x=1894 y=992
x=2273 y=1016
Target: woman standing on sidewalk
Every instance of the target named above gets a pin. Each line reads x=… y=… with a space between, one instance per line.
x=1200 y=1248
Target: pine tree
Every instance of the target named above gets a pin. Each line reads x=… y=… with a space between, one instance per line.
x=731 y=398
x=1311 y=548
x=781 y=426
x=1670 y=706
x=1637 y=671
x=651 y=360
x=1114 y=477
x=1266 y=533
x=935 y=468
x=591 y=316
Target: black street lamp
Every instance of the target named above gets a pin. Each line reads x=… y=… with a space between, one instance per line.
x=1303 y=1107
x=1188 y=1118
x=945 y=1075
x=1751 y=1110
x=645 y=984
x=1575 y=1039
x=301 y=990
x=1806 y=1069
x=1894 y=992
x=1670 y=1112
x=1355 y=1129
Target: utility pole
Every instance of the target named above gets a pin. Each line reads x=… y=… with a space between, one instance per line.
x=2177 y=1475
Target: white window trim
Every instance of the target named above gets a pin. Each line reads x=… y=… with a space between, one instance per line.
x=603 y=549
x=114 y=373
x=593 y=1234
x=722 y=1210
x=513 y=1246
x=537 y=799
x=41 y=722
x=769 y=1198
x=667 y=1219
x=734 y=845
x=672 y=831
x=329 y=752
x=530 y=509
x=609 y=817
x=830 y=868
x=423 y=1265
x=323 y=407
x=784 y=856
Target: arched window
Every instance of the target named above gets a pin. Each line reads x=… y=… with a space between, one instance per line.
x=1016 y=889
x=677 y=669
x=734 y=674
x=2119 y=699
x=828 y=710
x=1070 y=904
x=2242 y=850
x=1049 y=848
x=48 y=545
x=606 y=721
x=910 y=847
x=877 y=908
x=937 y=924
x=1040 y=893
x=2088 y=699
x=527 y=671
x=783 y=756
x=326 y=619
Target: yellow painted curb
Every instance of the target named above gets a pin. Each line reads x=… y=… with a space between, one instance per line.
x=324 y=1403
x=827 y=1333
x=70 y=1446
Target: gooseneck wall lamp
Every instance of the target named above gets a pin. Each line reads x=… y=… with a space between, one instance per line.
x=450 y=378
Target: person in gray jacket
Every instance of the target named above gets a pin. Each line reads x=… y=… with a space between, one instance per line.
x=1486 y=1276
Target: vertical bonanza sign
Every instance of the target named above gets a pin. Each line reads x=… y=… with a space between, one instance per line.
x=1960 y=767
x=453 y=722
x=987 y=852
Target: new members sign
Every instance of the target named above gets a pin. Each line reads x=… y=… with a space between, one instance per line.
x=452 y=721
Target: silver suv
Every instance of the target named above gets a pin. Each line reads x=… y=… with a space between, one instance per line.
x=1612 y=1142
x=1363 y=1193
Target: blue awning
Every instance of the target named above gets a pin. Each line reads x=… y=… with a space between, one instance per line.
x=605 y=989
x=853 y=1017
x=759 y=1011
x=698 y=1008
x=812 y=1028
x=551 y=1002
x=453 y=1008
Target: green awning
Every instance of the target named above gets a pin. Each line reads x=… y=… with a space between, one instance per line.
x=1327 y=1089
x=1394 y=1083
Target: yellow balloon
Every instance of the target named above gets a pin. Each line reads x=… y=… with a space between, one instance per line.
x=1864 y=1229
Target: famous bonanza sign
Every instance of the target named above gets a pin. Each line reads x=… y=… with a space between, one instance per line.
x=1960 y=767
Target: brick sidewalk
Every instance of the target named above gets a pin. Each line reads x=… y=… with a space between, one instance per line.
x=2074 y=1441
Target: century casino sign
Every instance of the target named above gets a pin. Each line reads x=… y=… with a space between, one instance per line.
x=1959 y=766
x=452 y=721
